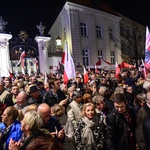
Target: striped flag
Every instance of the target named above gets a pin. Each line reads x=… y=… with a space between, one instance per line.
x=86 y=78
x=117 y=70
x=23 y=54
x=147 y=46
x=69 y=68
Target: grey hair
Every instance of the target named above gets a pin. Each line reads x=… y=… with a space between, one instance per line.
x=146 y=85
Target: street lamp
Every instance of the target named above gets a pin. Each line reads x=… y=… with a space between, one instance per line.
x=58 y=43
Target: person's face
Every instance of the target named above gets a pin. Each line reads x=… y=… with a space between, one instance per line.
x=20 y=99
x=57 y=84
x=129 y=90
x=79 y=100
x=89 y=112
x=45 y=115
x=100 y=106
x=15 y=90
x=35 y=94
x=5 y=116
x=120 y=107
x=24 y=126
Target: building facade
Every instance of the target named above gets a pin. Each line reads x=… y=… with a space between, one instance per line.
x=91 y=34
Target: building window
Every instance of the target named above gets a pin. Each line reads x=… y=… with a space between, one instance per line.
x=112 y=57
x=110 y=33
x=100 y=54
x=85 y=54
x=98 y=32
x=83 y=29
x=64 y=33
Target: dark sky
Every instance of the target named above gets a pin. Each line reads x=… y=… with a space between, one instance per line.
x=26 y=14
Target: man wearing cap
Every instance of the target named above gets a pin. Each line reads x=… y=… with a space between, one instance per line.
x=34 y=95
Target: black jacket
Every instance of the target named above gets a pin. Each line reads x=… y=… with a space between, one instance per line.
x=118 y=131
x=51 y=99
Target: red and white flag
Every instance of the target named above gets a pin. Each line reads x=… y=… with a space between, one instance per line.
x=117 y=70
x=144 y=70
x=45 y=79
x=36 y=63
x=69 y=68
x=86 y=77
x=96 y=70
x=10 y=74
x=147 y=46
x=23 y=54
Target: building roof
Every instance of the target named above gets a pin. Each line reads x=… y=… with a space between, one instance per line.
x=96 y=4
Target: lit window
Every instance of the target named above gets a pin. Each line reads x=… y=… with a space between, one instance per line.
x=85 y=54
x=112 y=57
x=83 y=29
x=98 y=32
x=110 y=33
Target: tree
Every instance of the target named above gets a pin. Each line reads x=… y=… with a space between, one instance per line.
x=132 y=42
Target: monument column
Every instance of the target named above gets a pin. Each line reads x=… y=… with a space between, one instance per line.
x=42 y=47
x=4 y=50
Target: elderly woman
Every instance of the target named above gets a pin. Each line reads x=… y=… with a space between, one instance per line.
x=10 y=128
x=34 y=137
x=89 y=134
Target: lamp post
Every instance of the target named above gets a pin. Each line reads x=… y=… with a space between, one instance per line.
x=58 y=43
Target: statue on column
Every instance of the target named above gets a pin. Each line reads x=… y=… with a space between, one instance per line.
x=2 y=25
x=41 y=29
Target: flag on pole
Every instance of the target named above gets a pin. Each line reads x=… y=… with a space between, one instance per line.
x=117 y=70
x=10 y=74
x=63 y=58
x=85 y=75
x=36 y=63
x=144 y=69
x=23 y=54
x=45 y=78
x=69 y=68
x=147 y=46
x=96 y=70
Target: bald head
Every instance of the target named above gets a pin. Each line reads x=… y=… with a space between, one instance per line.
x=44 y=111
x=43 y=107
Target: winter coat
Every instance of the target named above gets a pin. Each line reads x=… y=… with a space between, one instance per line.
x=120 y=134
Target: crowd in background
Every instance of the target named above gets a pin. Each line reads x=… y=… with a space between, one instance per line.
x=106 y=113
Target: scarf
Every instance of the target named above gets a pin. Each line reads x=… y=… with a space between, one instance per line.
x=87 y=133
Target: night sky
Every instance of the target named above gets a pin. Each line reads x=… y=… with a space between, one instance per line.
x=27 y=14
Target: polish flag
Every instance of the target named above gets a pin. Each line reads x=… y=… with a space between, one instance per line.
x=117 y=70
x=63 y=58
x=144 y=69
x=69 y=68
x=45 y=78
x=22 y=63
x=23 y=54
x=10 y=74
x=96 y=70
x=86 y=78
x=36 y=63
x=59 y=65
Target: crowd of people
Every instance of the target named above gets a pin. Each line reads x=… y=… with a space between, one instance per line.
x=106 y=113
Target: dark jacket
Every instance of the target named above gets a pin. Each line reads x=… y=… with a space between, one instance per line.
x=146 y=131
x=52 y=125
x=51 y=99
x=41 y=139
x=119 y=131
